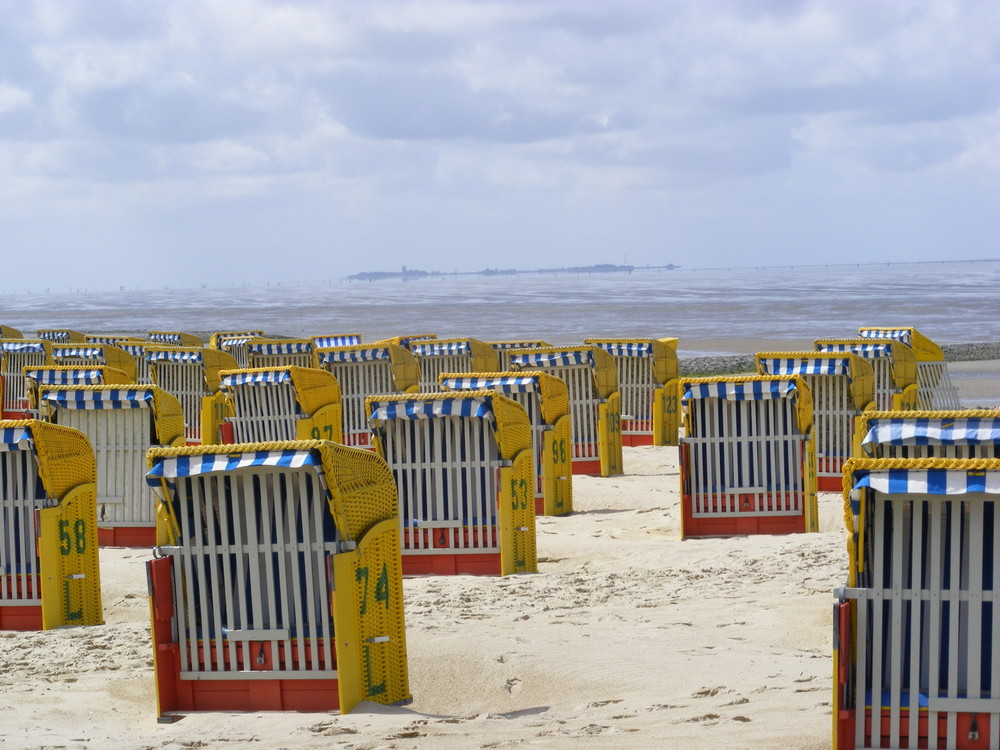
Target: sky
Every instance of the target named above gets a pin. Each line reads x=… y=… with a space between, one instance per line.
x=218 y=141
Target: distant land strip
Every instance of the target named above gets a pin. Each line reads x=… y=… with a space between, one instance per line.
x=407 y=274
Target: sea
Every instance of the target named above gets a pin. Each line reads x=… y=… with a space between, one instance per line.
x=711 y=311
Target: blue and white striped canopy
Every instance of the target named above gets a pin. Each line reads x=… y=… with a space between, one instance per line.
x=165 y=337
x=552 y=359
x=16 y=439
x=136 y=350
x=81 y=352
x=751 y=390
x=98 y=339
x=435 y=349
x=112 y=398
x=480 y=407
x=179 y=356
x=172 y=467
x=283 y=347
x=625 y=349
x=932 y=431
x=865 y=351
x=354 y=355
x=54 y=335
x=350 y=339
x=503 y=384
x=22 y=347
x=72 y=376
x=235 y=340
x=903 y=335
x=504 y=345
x=810 y=366
x=268 y=377
x=927 y=482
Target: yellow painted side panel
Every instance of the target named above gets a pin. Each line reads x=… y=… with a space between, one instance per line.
x=516 y=499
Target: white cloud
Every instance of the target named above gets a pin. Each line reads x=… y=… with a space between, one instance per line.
x=12 y=98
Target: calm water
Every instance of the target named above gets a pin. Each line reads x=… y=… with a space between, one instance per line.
x=948 y=302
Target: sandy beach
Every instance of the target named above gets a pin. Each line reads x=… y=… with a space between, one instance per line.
x=627 y=637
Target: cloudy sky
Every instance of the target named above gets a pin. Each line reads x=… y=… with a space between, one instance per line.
x=171 y=142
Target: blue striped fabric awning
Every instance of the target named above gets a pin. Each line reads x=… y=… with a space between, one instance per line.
x=751 y=390
x=480 y=407
x=354 y=355
x=72 y=376
x=172 y=467
x=268 y=377
x=503 y=384
x=22 y=347
x=81 y=352
x=435 y=349
x=136 y=350
x=903 y=335
x=625 y=349
x=174 y=355
x=809 y=366
x=866 y=351
x=552 y=359
x=927 y=481
x=16 y=439
x=54 y=335
x=932 y=431
x=235 y=340
x=345 y=340
x=165 y=337
x=285 y=347
x=112 y=398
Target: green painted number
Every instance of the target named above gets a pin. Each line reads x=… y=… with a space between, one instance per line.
x=75 y=542
x=382 y=587
x=361 y=574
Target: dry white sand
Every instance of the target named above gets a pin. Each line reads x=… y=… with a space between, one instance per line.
x=627 y=637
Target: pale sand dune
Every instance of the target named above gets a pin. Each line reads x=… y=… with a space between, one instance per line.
x=626 y=638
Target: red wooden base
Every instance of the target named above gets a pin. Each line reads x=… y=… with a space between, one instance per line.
x=845 y=729
x=239 y=694
x=830 y=484
x=587 y=468
x=15 y=414
x=126 y=536
x=637 y=439
x=21 y=618
x=451 y=564
x=738 y=525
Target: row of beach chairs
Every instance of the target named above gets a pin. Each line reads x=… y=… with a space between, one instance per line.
x=300 y=524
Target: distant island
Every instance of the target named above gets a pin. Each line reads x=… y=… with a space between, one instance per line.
x=407 y=274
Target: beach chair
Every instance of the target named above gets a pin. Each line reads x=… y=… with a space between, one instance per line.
x=143 y=371
x=122 y=423
x=280 y=353
x=36 y=377
x=935 y=389
x=61 y=336
x=114 y=339
x=97 y=354
x=277 y=584
x=6 y=332
x=336 y=339
x=591 y=379
x=366 y=370
x=504 y=349
x=174 y=338
x=893 y=366
x=546 y=402
x=916 y=642
x=49 y=567
x=747 y=458
x=842 y=386
x=15 y=355
x=234 y=343
x=406 y=341
x=647 y=380
x=192 y=376
x=451 y=355
x=928 y=434
x=281 y=403
x=464 y=472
